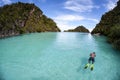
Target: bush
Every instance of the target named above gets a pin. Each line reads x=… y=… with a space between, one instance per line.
x=114 y=36
x=115 y=32
x=116 y=44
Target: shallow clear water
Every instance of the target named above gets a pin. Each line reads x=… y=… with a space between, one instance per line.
x=57 y=56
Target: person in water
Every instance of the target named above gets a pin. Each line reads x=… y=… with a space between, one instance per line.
x=92 y=58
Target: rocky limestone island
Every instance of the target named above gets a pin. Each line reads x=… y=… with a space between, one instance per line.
x=109 y=26
x=78 y=29
x=19 y=18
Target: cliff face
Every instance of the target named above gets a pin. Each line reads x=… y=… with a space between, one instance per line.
x=110 y=26
x=21 y=18
x=108 y=20
x=78 y=29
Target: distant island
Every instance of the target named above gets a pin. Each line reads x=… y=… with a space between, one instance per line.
x=110 y=26
x=19 y=18
x=78 y=29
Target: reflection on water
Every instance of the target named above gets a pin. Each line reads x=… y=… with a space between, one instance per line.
x=57 y=56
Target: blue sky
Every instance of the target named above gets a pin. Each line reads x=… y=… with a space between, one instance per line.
x=69 y=14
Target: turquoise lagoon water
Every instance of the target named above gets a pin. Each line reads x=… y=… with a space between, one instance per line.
x=57 y=56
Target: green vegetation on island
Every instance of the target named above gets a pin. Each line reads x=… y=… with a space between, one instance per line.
x=19 y=18
x=78 y=29
x=110 y=26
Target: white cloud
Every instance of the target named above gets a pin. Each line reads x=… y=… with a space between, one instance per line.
x=80 y=5
x=91 y=19
x=67 y=21
x=63 y=21
x=6 y=1
x=69 y=17
x=111 y=4
x=90 y=29
x=64 y=25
